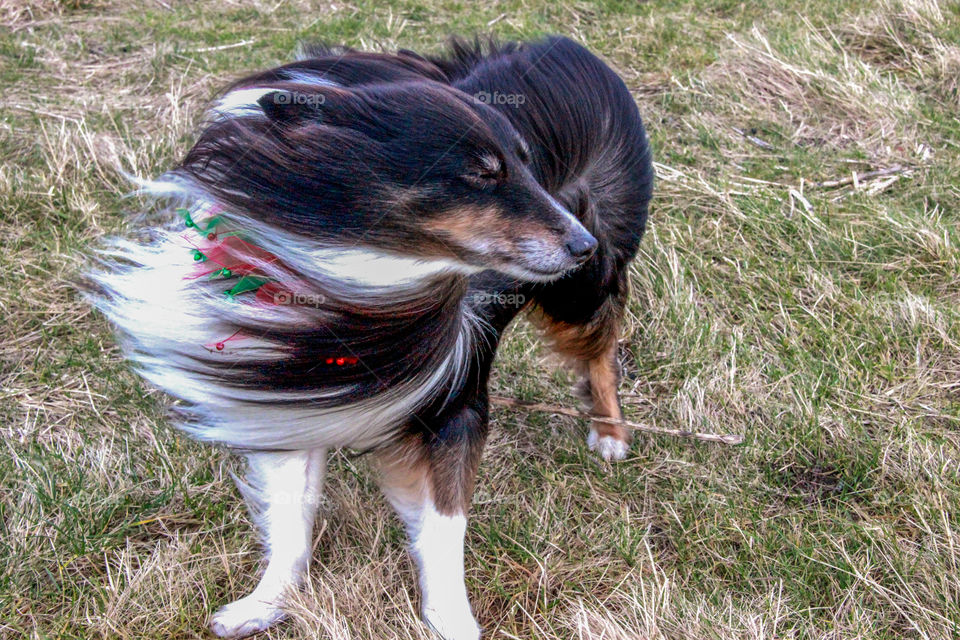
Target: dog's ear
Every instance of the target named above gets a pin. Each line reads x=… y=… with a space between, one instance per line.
x=290 y=107
x=331 y=106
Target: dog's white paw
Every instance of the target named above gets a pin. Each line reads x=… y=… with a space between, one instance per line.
x=452 y=626
x=608 y=447
x=244 y=617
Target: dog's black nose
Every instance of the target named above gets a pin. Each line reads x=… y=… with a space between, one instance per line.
x=581 y=246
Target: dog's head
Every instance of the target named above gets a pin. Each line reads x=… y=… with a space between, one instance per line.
x=417 y=168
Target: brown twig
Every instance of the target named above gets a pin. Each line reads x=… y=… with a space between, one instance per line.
x=857 y=178
x=636 y=426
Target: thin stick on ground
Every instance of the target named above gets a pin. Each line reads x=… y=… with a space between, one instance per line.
x=722 y=438
x=858 y=178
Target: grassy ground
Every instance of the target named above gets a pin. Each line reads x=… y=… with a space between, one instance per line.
x=822 y=321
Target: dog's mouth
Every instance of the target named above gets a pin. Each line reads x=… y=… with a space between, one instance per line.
x=550 y=267
x=539 y=261
x=533 y=274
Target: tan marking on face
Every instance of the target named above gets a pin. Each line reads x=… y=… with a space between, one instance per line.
x=465 y=223
x=472 y=227
x=401 y=198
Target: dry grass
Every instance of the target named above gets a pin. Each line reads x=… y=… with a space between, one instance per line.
x=902 y=37
x=776 y=295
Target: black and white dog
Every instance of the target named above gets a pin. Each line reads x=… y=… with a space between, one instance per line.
x=347 y=242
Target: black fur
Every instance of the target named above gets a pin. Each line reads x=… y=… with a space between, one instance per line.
x=537 y=201
x=384 y=159
x=589 y=150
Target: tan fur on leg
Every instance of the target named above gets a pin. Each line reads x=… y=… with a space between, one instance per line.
x=610 y=440
x=592 y=349
x=436 y=528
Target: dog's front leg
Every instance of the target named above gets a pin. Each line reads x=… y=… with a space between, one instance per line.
x=429 y=480
x=282 y=490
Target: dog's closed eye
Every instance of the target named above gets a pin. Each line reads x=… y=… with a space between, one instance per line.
x=486 y=171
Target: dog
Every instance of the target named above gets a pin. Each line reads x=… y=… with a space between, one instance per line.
x=345 y=245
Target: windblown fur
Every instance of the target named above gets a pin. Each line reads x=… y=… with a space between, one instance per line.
x=345 y=165
x=375 y=222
